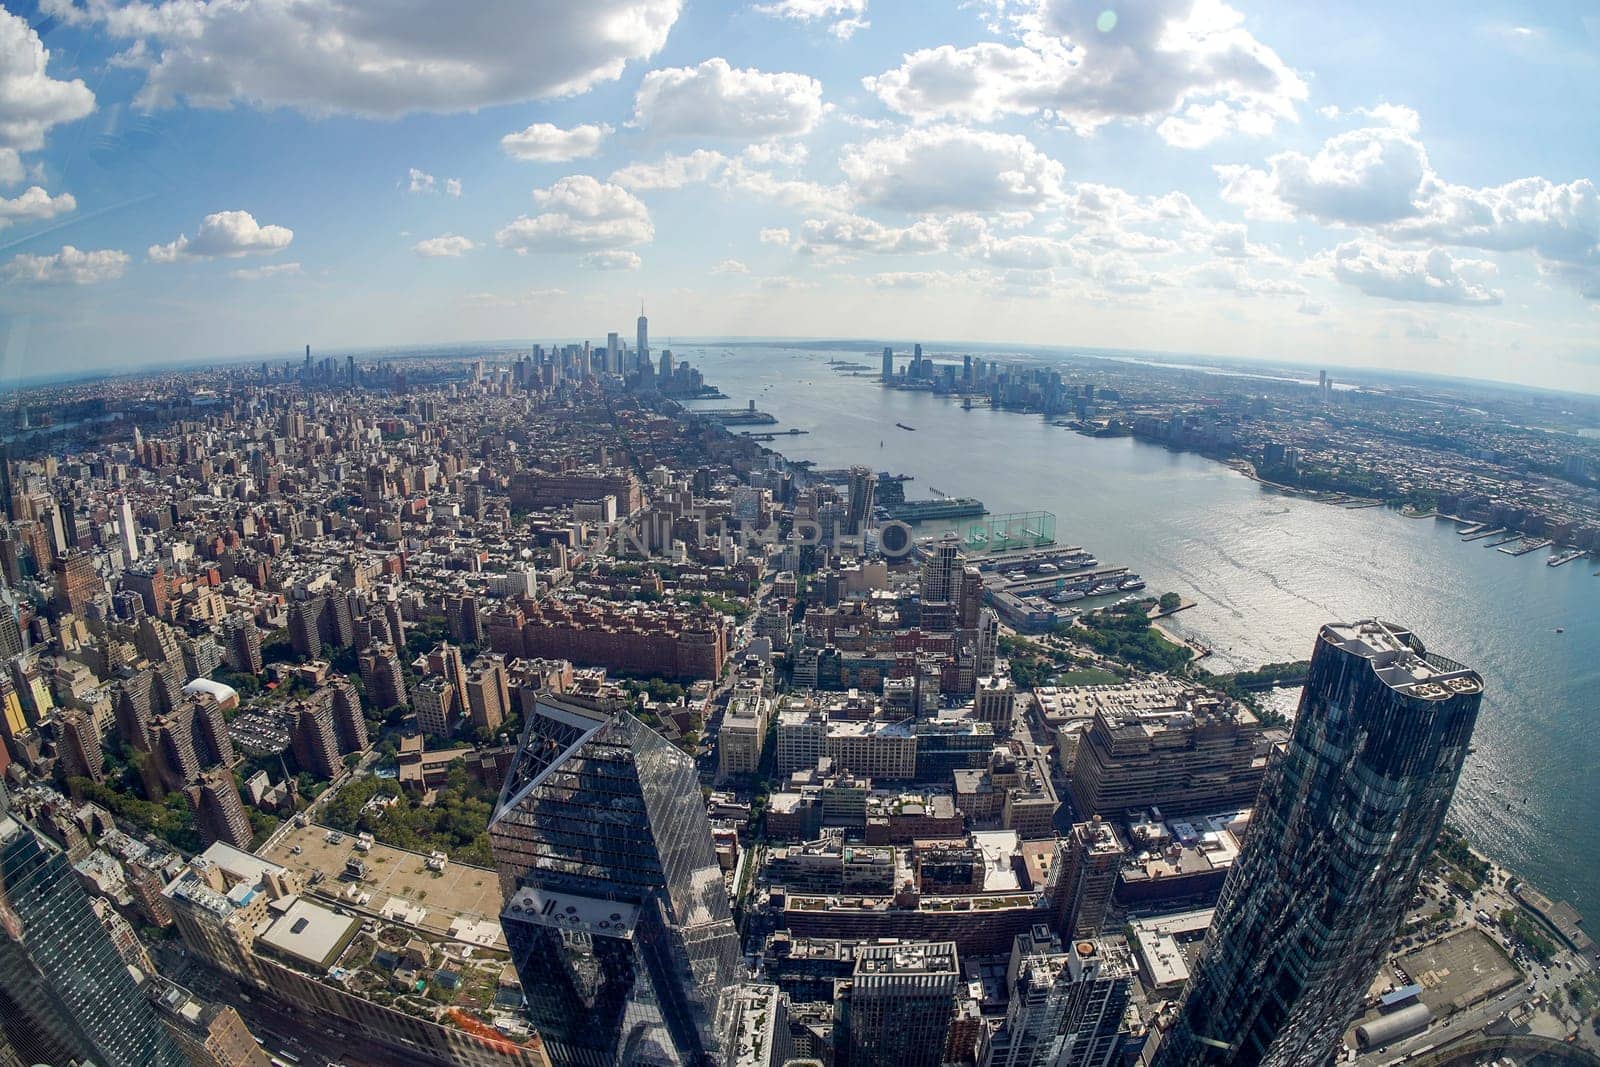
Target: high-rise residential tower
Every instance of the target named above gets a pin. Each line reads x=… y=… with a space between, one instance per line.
x=1083 y=878
x=615 y=910
x=65 y=994
x=1066 y=1007
x=863 y=487
x=1342 y=828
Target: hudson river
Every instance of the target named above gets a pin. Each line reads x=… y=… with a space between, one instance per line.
x=1267 y=570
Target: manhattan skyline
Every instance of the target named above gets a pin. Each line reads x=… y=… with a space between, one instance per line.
x=1217 y=178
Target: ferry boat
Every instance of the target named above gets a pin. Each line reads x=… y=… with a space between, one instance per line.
x=1131 y=582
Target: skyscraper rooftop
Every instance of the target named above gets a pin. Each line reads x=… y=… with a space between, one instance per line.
x=1401 y=661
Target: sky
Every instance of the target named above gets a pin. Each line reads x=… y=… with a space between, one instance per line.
x=1400 y=186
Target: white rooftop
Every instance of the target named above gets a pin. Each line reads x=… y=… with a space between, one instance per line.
x=310 y=933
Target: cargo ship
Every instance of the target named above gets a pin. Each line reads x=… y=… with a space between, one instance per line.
x=950 y=507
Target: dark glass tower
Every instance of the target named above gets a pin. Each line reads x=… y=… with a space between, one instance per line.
x=65 y=994
x=615 y=910
x=1342 y=827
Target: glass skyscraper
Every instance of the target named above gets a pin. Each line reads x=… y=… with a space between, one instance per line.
x=1342 y=828
x=615 y=910
x=65 y=994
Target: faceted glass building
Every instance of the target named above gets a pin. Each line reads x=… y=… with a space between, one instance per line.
x=65 y=994
x=1342 y=828
x=615 y=909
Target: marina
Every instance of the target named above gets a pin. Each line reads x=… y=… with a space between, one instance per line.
x=1526 y=545
x=1484 y=534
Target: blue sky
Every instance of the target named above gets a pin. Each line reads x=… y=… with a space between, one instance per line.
x=1403 y=186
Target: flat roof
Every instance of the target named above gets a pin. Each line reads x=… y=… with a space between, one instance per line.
x=402 y=887
x=239 y=865
x=910 y=957
x=310 y=933
x=1163 y=959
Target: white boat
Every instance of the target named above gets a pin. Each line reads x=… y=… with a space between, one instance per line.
x=1067 y=596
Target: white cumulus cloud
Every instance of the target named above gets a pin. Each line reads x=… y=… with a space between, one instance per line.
x=1366 y=176
x=730 y=266
x=1188 y=65
x=544 y=142
x=379 y=60
x=1421 y=275
x=1380 y=179
x=843 y=17
x=579 y=214
x=715 y=99
x=775 y=235
x=31 y=102
x=952 y=168
x=611 y=260
x=671 y=171
x=448 y=244
x=227 y=234
x=33 y=204
x=70 y=266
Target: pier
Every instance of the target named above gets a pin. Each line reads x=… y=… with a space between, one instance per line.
x=746 y=416
x=1037 y=584
x=1525 y=546
x=1481 y=534
x=772 y=435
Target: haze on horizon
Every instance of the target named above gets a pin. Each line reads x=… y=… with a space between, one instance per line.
x=1231 y=178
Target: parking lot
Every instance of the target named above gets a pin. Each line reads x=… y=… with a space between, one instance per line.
x=1459 y=970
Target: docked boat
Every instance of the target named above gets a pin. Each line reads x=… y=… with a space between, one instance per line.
x=1067 y=596
x=1131 y=582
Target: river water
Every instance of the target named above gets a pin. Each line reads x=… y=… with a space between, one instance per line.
x=1266 y=570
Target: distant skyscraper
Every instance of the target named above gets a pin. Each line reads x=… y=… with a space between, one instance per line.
x=888 y=363
x=863 y=485
x=65 y=994
x=941 y=571
x=129 y=529
x=615 y=911
x=643 y=339
x=613 y=353
x=901 y=1000
x=1342 y=827
x=1084 y=877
